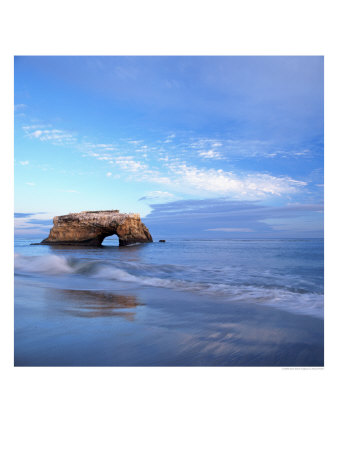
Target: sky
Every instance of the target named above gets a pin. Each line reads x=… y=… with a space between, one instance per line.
x=203 y=146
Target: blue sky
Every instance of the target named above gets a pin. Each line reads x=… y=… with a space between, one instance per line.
x=203 y=147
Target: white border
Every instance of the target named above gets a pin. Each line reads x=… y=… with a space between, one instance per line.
x=156 y=407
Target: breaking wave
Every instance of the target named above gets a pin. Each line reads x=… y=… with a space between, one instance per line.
x=301 y=301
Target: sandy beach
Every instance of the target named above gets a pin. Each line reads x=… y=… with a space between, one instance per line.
x=157 y=327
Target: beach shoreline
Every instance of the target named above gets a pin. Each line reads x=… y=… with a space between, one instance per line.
x=149 y=326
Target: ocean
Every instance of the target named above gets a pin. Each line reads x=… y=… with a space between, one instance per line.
x=185 y=302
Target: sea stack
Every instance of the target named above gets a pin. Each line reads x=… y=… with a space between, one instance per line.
x=91 y=227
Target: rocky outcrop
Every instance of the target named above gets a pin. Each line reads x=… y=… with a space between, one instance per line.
x=91 y=227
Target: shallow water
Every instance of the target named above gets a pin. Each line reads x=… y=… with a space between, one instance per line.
x=185 y=302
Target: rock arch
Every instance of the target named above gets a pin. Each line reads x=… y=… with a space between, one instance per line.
x=92 y=227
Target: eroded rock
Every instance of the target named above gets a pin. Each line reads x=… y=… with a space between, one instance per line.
x=91 y=227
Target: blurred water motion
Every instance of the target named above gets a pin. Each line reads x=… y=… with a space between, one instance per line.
x=194 y=303
x=85 y=303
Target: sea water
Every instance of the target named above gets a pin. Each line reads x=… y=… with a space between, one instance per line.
x=155 y=286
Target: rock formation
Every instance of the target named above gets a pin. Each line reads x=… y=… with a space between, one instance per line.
x=91 y=227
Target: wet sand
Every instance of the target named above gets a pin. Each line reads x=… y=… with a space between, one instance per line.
x=157 y=327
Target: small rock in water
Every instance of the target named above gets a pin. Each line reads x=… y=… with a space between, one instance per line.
x=161 y=240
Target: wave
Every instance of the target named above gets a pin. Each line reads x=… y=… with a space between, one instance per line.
x=49 y=264
x=291 y=299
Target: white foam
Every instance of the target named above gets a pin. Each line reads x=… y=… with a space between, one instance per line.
x=51 y=264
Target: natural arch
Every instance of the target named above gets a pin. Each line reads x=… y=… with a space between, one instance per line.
x=92 y=227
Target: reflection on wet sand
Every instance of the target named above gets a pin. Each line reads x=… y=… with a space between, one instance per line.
x=85 y=303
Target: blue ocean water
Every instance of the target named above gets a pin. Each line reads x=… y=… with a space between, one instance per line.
x=180 y=303
x=284 y=273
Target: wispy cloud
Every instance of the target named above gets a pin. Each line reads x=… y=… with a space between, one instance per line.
x=46 y=133
x=238 y=149
x=171 y=169
x=128 y=163
x=254 y=186
x=135 y=142
x=32 y=223
x=19 y=107
x=30 y=183
x=177 y=167
x=157 y=195
x=210 y=154
x=25 y=215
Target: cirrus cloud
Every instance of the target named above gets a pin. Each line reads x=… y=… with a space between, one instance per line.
x=157 y=195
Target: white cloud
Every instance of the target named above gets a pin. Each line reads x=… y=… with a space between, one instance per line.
x=173 y=172
x=165 y=158
x=211 y=154
x=98 y=147
x=104 y=157
x=250 y=186
x=44 y=133
x=135 y=142
x=30 y=183
x=24 y=163
x=157 y=195
x=128 y=164
x=302 y=152
x=203 y=143
x=244 y=148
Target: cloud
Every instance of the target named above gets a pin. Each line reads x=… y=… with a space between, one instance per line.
x=47 y=134
x=135 y=142
x=24 y=163
x=19 y=106
x=28 y=224
x=250 y=186
x=238 y=149
x=179 y=171
x=187 y=178
x=25 y=215
x=30 y=183
x=219 y=215
x=210 y=154
x=128 y=163
x=42 y=222
x=99 y=147
x=157 y=195
x=109 y=174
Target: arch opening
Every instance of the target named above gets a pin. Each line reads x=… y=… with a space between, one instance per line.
x=111 y=241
